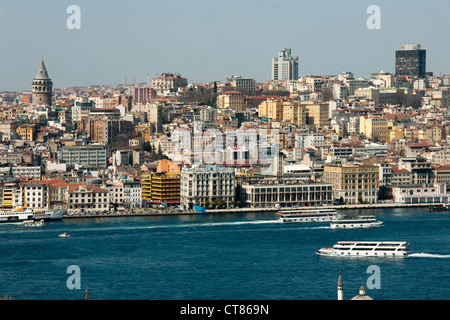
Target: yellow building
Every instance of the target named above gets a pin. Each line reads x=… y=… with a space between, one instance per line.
x=353 y=183
x=374 y=128
x=234 y=100
x=26 y=131
x=272 y=109
x=145 y=130
x=292 y=111
x=317 y=114
x=160 y=187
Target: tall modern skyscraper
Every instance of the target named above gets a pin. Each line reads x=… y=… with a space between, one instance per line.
x=285 y=67
x=42 y=86
x=410 y=61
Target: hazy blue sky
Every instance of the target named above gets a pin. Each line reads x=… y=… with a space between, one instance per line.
x=208 y=40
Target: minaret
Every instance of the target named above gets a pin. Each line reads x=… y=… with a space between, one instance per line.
x=340 y=288
x=42 y=86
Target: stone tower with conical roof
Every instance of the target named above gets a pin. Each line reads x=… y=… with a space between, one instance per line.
x=42 y=86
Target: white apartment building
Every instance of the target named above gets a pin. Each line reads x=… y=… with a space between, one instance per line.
x=27 y=172
x=132 y=194
x=307 y=140
x=35 y=194
x=206 y=183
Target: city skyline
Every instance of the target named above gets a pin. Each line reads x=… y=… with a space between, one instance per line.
x=130 y=41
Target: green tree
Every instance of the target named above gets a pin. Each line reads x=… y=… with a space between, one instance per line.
x=222 y=203
x=147 y=147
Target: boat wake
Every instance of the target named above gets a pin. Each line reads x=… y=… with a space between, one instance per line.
x=429 y=255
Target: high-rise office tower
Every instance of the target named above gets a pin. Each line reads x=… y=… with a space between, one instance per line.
x=410 y=61
x=42 y=87
x=285 y=67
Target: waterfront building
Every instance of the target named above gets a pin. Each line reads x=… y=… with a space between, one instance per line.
x=421 y=194
x=132 y=194
x=82 y=198
x=285 y=193
x=11 y=195
x=353 y=183
x=35 y=194
x=42 y=87
x=285 y=66
x=207 y=183
x=410 y=61
x=160 y=187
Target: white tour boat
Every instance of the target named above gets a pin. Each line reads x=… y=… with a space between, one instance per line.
x=355 y=222
x=318 y=215
x=397 y=249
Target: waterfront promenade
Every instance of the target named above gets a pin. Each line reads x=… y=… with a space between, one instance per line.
x=159 y=212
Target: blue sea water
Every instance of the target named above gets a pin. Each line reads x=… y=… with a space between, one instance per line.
x=226 y=256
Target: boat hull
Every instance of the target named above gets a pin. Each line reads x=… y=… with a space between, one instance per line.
x=356 y=225
x=331 y=252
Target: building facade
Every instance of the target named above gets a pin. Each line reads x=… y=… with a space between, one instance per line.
x=208 y=183
x=160 y=187
x=284 y=66
x=287 y=194
x=83 y=155
x=410 y=61
x=353 y=183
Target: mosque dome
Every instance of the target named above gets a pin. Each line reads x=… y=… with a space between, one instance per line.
x=362 y=294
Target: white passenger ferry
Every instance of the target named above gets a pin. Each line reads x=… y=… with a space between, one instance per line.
x=356 y=222
x=396 y=249
x=20 y=214
x=317 y=215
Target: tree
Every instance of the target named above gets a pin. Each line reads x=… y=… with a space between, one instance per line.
x=207 y=204
x=238 y=203
x=147 y=147
x=222 y=203
x=215 y=203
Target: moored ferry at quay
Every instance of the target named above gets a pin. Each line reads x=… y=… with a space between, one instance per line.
x=317 y=215
x=396 y=249
x=356 y=222
x=20 y=215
